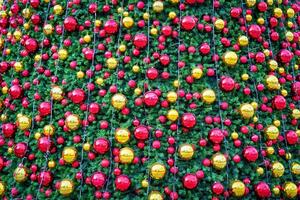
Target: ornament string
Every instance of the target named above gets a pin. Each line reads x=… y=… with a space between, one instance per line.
x=216 y=67
x=256 y=94
x=112 y=129
x=92 y=68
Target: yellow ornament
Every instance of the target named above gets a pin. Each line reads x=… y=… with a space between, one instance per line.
x=250 y=3
x=100 y=81
x=58 y=9
x=260 y=170
x=20 y=174
x=230 y=58
x=270 y=2
x=37 y=135
x=17 y=35
x=245 y=77
x=219 y=24
x=277 y=169
x=145 y=183
x=157 y=171
x=48 y=29
x=158 y=6
x=172 y=15
x=277 y=12
x=155 y=195
x=219 y=161
x=86 y=146
x=18 y=66
x=62 y=54
x=290 y=190
x=66 y=187
x=136 y=69
x=295 y=168
x=122 y=135
x=260 y=21
x=122 y=48
x=51 y=164
x=272 y=132
x=128 y=22
x=69 y=154
x=197 y=73
x=276 y=190
x=243 y=41
x=186 y=151
x=73 y=122
x=273 y=65
x=238 y=188
x=172 y=115
x=208 y=96
x=2 y=188
x=26 y=13
x=290 y=12
x=87 y=39
x=49 y=130
x=80 y=74
x=289 y=36
x=118 y=101
x=153 y=31
x=56 y=93
x=111 y=63
x=246 y=110
x=171 y=97
x=126 y=155
x=234 y=135
x=23 y=122
x=272 y=82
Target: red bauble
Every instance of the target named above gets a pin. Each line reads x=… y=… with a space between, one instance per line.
x=44 y=108
x=140 y=40
x=20 y=149
x=227 y=84
x=291 y=137
x=190 y=181
x=262 y=190
x=188 y=23
x=285 y=56
x=3 y=67
x=279 y=102
x=70 y=24
x=8 y=129
x=188 y=120
x=78 y=96
x=44 y=144
x=122 y=183
x=164 y=60
x=296 y=89
x=250 y=154
x=111 y=26
x=254 y=31
x=216 y=136
x=15 y=91
x=94 y=108
x=101 y=145
x=31 y=45
x=141 y=133
x=2 y=164
x=262 y=6
x=98 y=179
x=151 y=99
x=152 y=73
x=204 y=49
x=45 y=178
x=217 y=188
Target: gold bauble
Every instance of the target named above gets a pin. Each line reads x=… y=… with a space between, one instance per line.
x=277 y=12
x=246 y=110
x=208 y=96
x=155 y=195
x=58 y=9
x=111 y=63
x=26 y=13
x=118 y=101
x=128 y=22
x=49 y=130
x=289 y=36
x=158 y=6
x=171 y=97
x=72 y=122
x=219 y=24
x=238 y=188
x=295 y=168
x=272 y=132
x=18 y=67
x=172 y=115
x=126 y=155
x=62 y=54
x=2 y=188
x=56 y=93
x=17 y=35
x=197 y=73
x=290 y=12
x=122 y=135
x=48 y=29
x=218 y=161
x=157 y=171
x=230 y=58
x=66 y=187
x=23 y=122
x=20 y=174
x=277 y=169
x=186 y=151
x=272 y=82
x=273 y=65
x=69 y=154
x=290 y=190
x=296 y=113
x=243 y=41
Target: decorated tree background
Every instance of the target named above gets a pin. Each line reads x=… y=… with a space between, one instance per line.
x=149 y=99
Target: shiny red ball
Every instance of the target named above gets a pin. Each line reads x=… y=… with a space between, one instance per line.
x=250 y=154
x=122 y=183
x=45 y=178
x=285 y=56
x=216 y=136
x=78 y=96
x=254 y=31
x=190 y=181
x=8 y=129
x=151 y=99
x=262 y=190
x=20 y=149
x=101 y=145
x=188 y=23
x=44 y=144
x=44 y=108
x=141 y=133
x=140 y=41
x=188 y=120
x=98 y=179
x=70 y=24
x=291 y=137
x=279 y=102
x=31 y=45
x=226 y=84
x=15 y=91
x=217 y=188
x=111 y=26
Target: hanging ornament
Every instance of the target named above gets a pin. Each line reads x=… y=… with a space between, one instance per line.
x=273 y=65
x=44 y=108
x=250 y=154
x=208 y=96
x=272 y=132
x=23 y=122
x=219 y=24
x=226 y=84
x=118 y=101
x=111 y=26
x=141 y=133
x=62 y=54
x=126 y=155
x=272 y=82
x=230 y=58
x=56 y=93
x=216 y=136
x=127 y=22
x=15 y=91
x=217 y=188
x=70 y=24
x=73 y=122
x=151 y=99
x=157 y=171
x=188 y=23
x=98 y=179
x=111 y=63
x=69 y=154
x=285 y=56
x=262 y=190
x=45 y=178
x=243 y=41
x=290 y=190
x=155 y=195
x=122 y=135
x=188 y=120
x=172 y=115
x=122 y=183
x=190 y=181
x=219 y=161
x=48 y=29
x=77 y=96
x=186 y=151
x=20 y=149
x=254 y=31
x=140 y=41
x=8 y=129
x=295 y=168
x=279 y=102
x=2 y=188
x=44 y=144
x=31 y=45
x=49 y=130
x=20 y=174
x=277 y=169
x=66 y=187
x=291 y=137
x=101 y=145
x=172 y=97
x=158 y=6
x=238 y=188
x=197 y=73
x=246 y=110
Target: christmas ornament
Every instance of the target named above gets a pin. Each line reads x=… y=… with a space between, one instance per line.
x=49 y=130
x=272 y=132
x=254 y=31
x=98 y=179
x=226 y=84
x=122 y=135
x=158 y=6
x=186 y=151
x=128 y=22
x=122 y=183
x=56 y=93
x=215 y=136
x=155 y=195
x=219 y=161
x=290 y=190
x=20 y=174
x=126 y=155
x=277 y=169
x=262 y=190
x=246 y=110
x=140 y=41
x=279 y=102
x=72 y=122
x=230 y=58
x=111 y=26
x=172 y=115
x=20 y=149
x=190 y=181
x=118 y=101
x=208 y=96
x=69 y=154
x=45 y=178
x=272 y=82
x=141 y=133
x=101 y=145
x=238 y=188
x=23 y=122
x=151 y=99
x=250 y=154
x=66 y=187
x=2 y=189
x=78 y=96
x=188 y=23
x=70 y=24
x=188 y=120
x=295 y=168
